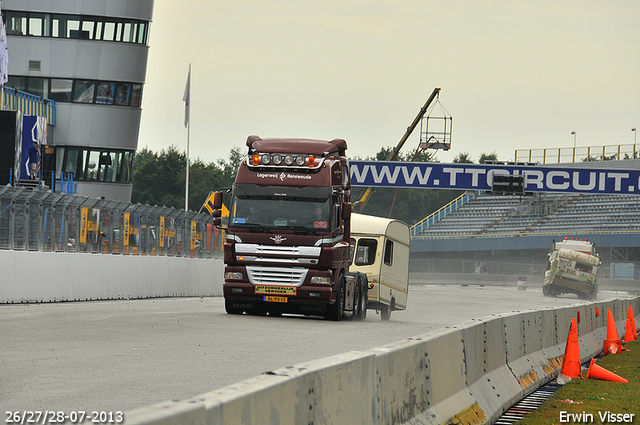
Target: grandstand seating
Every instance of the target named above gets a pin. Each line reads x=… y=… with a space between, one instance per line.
x=542 y=214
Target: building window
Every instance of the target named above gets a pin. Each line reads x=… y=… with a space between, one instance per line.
x=39 y=25
x=16 y=23
x=39 y=86
x=76 y=27
x=95 y=164
x=84 y=91
x=388 y=252
x=105 y=93
x=62 y=90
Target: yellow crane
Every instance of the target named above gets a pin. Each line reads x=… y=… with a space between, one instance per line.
x=359 y=205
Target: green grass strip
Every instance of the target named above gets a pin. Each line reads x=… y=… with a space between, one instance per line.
x=593 y=401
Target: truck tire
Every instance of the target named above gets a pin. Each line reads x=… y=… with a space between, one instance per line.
x=364 y=297
x=360 y=298
x=335 y=311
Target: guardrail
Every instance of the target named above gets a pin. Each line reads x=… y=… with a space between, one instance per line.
x=578 y=154
x=469 y=373
x=29 y=104
x=32 y=220
x=441 y=213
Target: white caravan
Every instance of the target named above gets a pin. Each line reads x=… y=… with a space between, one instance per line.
x=380 y=249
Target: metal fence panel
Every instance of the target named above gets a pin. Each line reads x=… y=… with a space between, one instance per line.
x=56 y=222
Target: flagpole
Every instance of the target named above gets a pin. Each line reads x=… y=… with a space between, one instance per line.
x=187 y=99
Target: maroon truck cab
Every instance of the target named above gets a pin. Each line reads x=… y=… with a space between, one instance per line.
x=287 y=238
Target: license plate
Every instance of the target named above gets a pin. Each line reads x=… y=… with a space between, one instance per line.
x=276 y=290
x=275 y=299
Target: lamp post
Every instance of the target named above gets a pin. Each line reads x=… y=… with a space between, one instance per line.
x=574 y=139
x=634 y=135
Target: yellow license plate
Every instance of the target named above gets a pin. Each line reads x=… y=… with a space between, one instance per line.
x=276 y=290
x=275 y=299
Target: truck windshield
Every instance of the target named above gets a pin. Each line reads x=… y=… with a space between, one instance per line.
x=281 y=213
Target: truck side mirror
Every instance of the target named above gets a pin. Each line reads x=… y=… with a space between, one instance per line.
x=217 y=200
x=346 y=211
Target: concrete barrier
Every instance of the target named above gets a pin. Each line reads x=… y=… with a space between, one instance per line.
x=470 y=373
x=48 y=276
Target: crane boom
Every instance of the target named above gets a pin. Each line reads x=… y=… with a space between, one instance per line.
x=359 y=205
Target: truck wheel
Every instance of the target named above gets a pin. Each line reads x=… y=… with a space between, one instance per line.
x=335 y=311
x=360 y=298
x=357 y=299
x=230 y=309
x=364 y=298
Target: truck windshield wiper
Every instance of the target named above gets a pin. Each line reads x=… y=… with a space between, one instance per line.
x=303 y=228
x=256 y=226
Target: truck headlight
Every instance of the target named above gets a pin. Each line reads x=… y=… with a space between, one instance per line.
x=233 y=276
x=320 y=280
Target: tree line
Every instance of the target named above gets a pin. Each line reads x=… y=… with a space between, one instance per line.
x=159 y=179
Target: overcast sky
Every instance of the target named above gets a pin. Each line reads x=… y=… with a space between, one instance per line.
x=514 y=74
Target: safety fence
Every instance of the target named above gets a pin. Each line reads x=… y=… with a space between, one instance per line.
x=578 y=154
x=32 y=220
x=29 y=104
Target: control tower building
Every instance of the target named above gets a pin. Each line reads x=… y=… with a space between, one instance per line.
x=90 y=57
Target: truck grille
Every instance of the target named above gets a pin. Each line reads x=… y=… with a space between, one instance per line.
x=293 y=276
x=288 y=251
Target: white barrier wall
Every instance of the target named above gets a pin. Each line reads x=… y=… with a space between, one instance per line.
x=49 y=276
x=468 y=374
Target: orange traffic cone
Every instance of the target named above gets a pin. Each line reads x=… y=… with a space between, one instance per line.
x=630 y=334
x=571 y=363
x=598 y=372
x=612 y=345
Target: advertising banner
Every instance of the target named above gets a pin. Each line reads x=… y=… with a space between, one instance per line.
x=480 y=177
x=84 y=224
x=126 y=231
x=192 y=244
x=161 y=236
x=33 y=130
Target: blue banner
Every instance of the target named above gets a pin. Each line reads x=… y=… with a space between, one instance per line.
x=480 y=177
x=33 y=129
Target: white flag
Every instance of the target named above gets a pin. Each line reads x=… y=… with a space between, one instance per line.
x=186 y=97
x=4 y=55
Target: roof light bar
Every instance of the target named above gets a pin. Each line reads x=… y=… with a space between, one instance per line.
x=290 y=160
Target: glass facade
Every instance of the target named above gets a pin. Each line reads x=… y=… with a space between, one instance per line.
x=99 y=160
x=95 y=164
x=80 y=91
x=81 y=27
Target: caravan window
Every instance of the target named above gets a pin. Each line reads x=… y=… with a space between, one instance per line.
x=365 y=252
x=388 y=252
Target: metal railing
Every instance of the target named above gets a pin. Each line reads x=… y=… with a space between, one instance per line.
x=578 y=154
x=441 y=213
x=29 y=104
x=32 y=220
